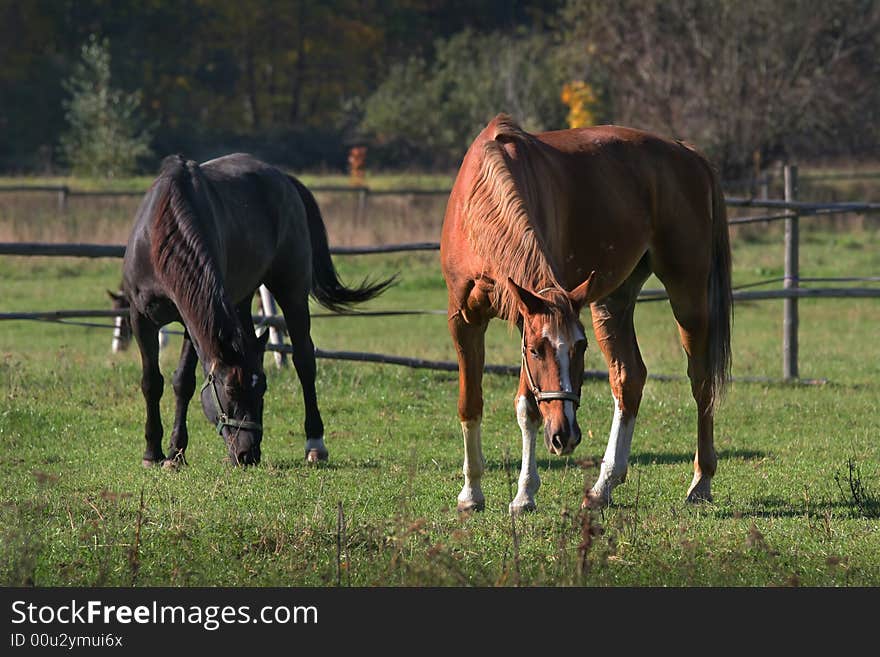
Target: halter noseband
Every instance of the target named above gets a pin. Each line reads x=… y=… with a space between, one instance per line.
x=549 y=394
x=223 y=419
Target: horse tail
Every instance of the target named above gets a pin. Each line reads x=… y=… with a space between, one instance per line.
x=720 y=293
x=327 y=289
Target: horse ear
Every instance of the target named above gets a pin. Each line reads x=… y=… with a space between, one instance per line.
x=585 y=293
x=529 y=302
x=115 y=296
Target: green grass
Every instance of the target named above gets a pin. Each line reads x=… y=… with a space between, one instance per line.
x=71 y=438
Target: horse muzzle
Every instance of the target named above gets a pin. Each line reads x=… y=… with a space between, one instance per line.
x=561 y=440
x=244 y=447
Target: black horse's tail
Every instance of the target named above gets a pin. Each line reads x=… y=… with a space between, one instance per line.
x=327 y=289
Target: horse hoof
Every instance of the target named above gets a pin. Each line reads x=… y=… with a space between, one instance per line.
x=700 y=490
x=149 y=463
x=314 y=455
x=517 y=508
x=471 y=506
x=171 y=464
x=696 y=497
x=594 y=500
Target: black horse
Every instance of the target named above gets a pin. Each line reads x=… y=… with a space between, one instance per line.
x=204 y=238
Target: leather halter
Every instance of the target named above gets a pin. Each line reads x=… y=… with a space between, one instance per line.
x=223 y=419
x=548 y=395
x=545 y=395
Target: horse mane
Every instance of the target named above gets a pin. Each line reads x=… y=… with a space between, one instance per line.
x=185 y=265
x=500 y=214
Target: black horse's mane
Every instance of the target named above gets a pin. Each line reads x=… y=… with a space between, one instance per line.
x=184 y=263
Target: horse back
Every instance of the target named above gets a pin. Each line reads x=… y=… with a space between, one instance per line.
x=598 y=198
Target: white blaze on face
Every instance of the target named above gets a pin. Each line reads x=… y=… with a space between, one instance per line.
x=562 y=349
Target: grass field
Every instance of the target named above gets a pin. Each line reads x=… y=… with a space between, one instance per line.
x=797 y=496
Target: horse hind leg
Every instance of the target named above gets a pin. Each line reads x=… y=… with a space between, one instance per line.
x=296 y=315
x=690 y=306
x=615 y=333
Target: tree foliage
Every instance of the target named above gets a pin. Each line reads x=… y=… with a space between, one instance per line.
x=437 y=107
x=106 y=137
x=300 y=82
x=745 y=80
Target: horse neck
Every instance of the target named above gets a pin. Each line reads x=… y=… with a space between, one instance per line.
x=222 y=335
x=185 y=259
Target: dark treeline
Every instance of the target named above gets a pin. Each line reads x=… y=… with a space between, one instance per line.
x=285 y=78
x=299 y=82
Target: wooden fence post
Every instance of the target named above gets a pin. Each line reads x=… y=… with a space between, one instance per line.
x=62 y=199
x=792 y=273
x=276 y=337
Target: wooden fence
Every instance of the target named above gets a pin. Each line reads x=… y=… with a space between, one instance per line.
x=789 y=210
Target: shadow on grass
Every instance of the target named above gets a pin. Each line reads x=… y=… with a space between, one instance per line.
x=543 y=463
x=668 y=458
x=773 y=507
x=345 y=464
x=589 y=461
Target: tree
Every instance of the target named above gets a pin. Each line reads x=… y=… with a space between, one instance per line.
x=106 y=135
x=438 y=107
x=743 y=80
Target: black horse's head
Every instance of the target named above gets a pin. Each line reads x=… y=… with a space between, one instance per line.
x=232 y=398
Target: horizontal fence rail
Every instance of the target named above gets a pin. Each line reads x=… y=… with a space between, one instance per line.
x=115 y=251
x=788 y=210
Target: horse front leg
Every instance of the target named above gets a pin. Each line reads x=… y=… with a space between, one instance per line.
x=469 y=342
x=615 y=333
x=184 y=384
x=147 y=336
x=529 y=420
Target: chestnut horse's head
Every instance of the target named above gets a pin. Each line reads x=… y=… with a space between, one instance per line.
x=232 y=398
x=553 y=347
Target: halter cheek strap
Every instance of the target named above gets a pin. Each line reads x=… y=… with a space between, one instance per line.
x=223 y=420
x=547 y=395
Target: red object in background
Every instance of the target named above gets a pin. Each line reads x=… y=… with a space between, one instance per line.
x=357 y=158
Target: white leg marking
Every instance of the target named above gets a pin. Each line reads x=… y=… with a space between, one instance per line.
x=529 y=481
x=116 y=346
x=614 y=462
x=471 y=496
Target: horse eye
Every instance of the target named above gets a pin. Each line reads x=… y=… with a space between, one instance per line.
x=534 y=352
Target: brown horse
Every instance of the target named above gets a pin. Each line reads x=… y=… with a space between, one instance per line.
x=539 y=226
x=204 y=239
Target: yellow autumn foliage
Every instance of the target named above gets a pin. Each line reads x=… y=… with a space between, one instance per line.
x=581 y=101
